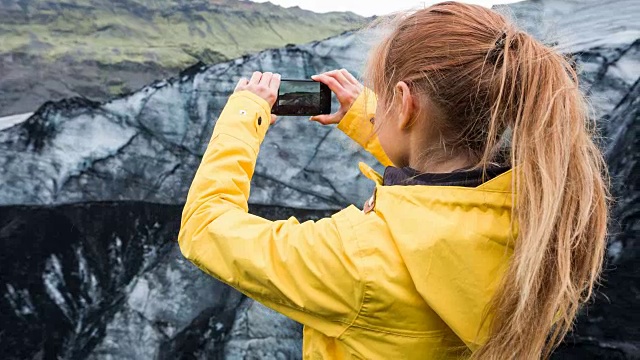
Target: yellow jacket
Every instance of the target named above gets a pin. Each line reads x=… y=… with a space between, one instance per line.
x=409 y=280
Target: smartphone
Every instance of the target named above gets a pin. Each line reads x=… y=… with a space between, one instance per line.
x=302 y=98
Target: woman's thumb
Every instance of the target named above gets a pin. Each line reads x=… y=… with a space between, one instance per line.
x=324 y=119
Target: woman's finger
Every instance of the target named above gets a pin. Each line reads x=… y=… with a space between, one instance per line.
x=338 y=75
x=349 y=91
x=273 y=119
x=274 y=85
x=331 y=82
x=266 y=79
x=350 y=77
x=255 y=78
x=351 y=88
x=326 y=119
x=241 y=84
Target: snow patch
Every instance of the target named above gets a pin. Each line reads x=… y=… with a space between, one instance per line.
x=20 y=301
x=615 y=251
x=87 y=278
x=9 y=121
x=139 y=295
x=53 y=279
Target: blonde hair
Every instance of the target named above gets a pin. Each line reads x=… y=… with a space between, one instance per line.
x=488 y=78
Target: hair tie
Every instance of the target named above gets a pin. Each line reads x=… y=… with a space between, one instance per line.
x=494 y=54
x=500 y=42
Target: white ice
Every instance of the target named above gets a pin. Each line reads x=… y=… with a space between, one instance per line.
x=8 y=121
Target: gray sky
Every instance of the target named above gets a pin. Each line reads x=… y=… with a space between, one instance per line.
x=370 y=7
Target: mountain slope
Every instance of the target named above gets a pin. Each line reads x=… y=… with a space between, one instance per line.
x=169 y=33
x=100 y=48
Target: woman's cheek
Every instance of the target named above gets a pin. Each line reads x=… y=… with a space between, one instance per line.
x=387 y=142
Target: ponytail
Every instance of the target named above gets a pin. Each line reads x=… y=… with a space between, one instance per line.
x=490 y=79
x=561 y=200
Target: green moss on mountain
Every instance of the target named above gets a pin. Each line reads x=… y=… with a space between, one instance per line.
x=167 y=32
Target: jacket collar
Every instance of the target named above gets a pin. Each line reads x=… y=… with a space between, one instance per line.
x=463 y=177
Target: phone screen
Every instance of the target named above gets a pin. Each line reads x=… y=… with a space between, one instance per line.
x=300 y=97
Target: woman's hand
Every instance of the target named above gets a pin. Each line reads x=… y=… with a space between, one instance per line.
x=347 y=90
x=265 y=85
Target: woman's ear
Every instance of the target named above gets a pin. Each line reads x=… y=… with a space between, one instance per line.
x=407 y=106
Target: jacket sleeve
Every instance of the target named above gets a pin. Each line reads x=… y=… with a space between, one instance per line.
x=301 y=270
x=358 y=126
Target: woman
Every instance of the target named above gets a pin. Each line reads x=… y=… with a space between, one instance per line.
x=486 y=232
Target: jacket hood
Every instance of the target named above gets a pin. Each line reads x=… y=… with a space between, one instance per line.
x=454 y=241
